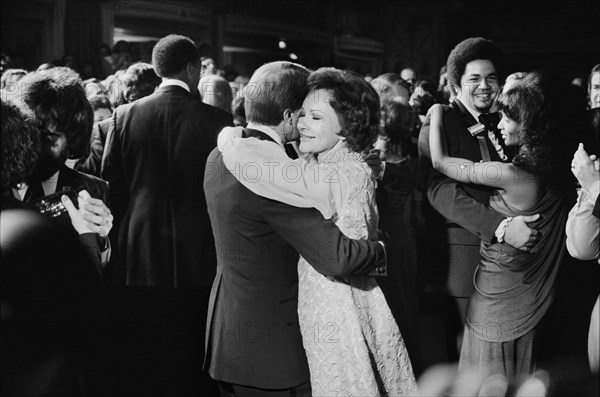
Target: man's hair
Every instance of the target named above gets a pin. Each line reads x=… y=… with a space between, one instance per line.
x=274 y=88
x=139 y=80
x=20 y=145
x=56 y=97
x=172 y=53
x=355 y=102
x=470 y=50
x=100 y=102
x=216 y=91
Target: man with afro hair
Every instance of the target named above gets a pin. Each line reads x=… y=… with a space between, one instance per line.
x=474 y=69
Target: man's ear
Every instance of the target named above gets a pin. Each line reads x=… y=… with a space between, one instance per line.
x=455 y=89
x=288 y=116
x=189 y=68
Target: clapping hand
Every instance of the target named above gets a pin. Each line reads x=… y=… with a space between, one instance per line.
x=585 y=168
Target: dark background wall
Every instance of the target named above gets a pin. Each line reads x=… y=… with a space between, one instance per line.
x=415 y=33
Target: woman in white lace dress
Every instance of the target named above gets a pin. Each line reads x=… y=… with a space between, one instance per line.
x=352 y=342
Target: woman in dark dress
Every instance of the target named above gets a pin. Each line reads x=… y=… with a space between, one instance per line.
x=398 y=203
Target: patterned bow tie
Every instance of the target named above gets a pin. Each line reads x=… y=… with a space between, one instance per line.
x=487 y=122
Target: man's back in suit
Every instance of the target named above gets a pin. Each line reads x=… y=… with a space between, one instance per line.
x=155 y=161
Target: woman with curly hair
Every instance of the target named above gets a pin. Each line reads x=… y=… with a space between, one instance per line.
x=20 y=146
x=514 y=288
x=352 y=342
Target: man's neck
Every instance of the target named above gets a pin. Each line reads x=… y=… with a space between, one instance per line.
x=475 y=113
x=274 y=131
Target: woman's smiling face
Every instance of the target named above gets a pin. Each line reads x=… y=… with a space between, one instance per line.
x=318 y=123
x=508 y=128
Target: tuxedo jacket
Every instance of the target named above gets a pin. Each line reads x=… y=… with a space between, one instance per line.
x=253 y=335
x=96 y=187
x=455 y=236
x=154 y=161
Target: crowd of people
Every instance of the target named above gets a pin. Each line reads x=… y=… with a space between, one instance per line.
x=174 y=229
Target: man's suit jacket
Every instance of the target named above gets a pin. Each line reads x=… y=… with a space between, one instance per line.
x=96 y=187
x=253 y=333
x=92 y=164
x=468 y=219
x=154 y=162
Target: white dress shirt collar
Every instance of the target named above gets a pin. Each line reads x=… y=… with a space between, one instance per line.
x=167 y=81
x=267 y=130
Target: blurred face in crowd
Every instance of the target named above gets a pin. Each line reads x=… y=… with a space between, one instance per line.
x=595 y=90
x=388 y=91
x=318 y=123
x=479 y=85
x=208 y=67
x=508 y=129
x=101 y=114
x=53 y=154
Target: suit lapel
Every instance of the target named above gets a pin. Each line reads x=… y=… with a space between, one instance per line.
x=68 y=178
x=466 y=117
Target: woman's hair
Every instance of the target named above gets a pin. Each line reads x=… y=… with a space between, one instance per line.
x=11 y=76
x=355 y=102
x=550 y=114
x=398 y=122
x=20 y=145
x=57 y=99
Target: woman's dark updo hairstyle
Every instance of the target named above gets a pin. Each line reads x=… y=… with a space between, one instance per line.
x=355 y=102
x=398 y=122
x=550 y=114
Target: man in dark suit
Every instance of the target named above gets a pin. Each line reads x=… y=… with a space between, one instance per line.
x=254 y=339
x=474 y=70
x=154 y=160
x=56 y=100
